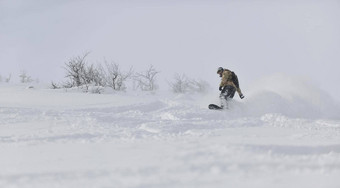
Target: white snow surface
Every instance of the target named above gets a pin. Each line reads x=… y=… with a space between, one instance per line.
x=273 y=138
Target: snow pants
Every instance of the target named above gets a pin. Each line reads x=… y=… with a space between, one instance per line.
x=228 y=92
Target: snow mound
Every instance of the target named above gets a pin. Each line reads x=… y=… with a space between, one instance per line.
x=50 y=137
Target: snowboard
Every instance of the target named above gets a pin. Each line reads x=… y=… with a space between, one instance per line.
x=214 y=107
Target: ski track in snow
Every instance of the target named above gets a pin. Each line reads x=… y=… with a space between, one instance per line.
x=155 y=140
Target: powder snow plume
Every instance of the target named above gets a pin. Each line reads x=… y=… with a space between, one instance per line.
x=287 y=95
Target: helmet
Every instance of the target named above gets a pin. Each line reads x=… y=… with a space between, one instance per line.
x=220 y=70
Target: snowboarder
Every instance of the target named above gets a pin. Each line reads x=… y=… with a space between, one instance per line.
x=229 y=84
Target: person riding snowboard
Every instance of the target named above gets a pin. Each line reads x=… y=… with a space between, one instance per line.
x=229 y=84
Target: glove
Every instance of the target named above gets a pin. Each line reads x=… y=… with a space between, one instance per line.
x=241 y=96
x=220 y=88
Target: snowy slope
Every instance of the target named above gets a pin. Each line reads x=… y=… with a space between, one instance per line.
x=273 y=138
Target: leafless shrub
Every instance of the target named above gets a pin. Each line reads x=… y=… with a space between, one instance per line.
x=114 y=77
x=55 y=86
x=91 y=78
x=180 y=84
x=67 y=85
x=8 y=79
x=76 y=70
x=97 y=89
x=82 y=75
x=183 y=84
x=199 y=86
x=146 y=80
x=24 y=78
x=94 y=76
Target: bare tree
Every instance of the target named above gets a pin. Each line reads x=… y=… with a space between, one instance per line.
x=8 y=79
x=76 y=70
x=97 y=89
x=114 y=77
x=54 y=86
x=24 y=78
x=94 y=78
x=90 y=76
x=82 y=75
x=199 y=86
x=146 y=80
x=93 y=75
x=181 y=84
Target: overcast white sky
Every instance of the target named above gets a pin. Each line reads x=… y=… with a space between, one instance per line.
x=255 y=38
